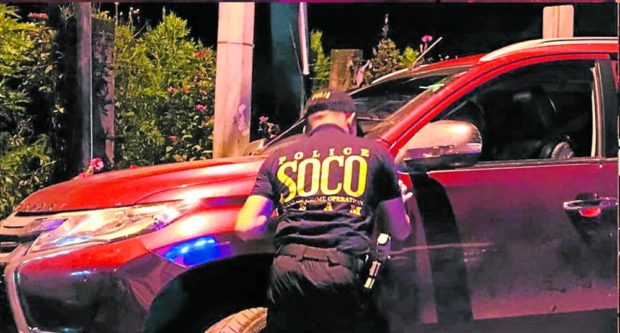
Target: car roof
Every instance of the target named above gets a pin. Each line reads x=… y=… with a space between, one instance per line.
x=517 y=50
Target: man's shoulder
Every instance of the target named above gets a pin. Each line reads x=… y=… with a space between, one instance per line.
x=371 y=144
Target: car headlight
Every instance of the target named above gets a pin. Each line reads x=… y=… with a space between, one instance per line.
x=107 y=225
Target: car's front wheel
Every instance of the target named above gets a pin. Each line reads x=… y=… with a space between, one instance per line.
x=252 y=320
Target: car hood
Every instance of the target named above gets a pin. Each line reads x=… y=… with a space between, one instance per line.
x=130 y=186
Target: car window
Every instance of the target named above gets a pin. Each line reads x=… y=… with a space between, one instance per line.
x=381 y=101
x=542 y=111
x=379 y=106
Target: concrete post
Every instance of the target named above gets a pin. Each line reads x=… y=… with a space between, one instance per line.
x=84 y=78
x=103 y=89
x=558 y=21
x=233 y=83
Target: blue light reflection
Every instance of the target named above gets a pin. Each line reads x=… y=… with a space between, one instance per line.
x=197 y=251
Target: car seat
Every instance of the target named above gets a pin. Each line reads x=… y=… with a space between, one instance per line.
x=535 y=129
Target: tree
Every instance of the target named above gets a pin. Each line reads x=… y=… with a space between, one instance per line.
x=386 y=56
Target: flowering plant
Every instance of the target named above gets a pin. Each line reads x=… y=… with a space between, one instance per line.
x=96 y=165
x=38 y=16
x=266 y=129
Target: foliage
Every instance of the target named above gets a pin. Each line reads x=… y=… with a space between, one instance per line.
x=165 y=84
x=30 y=106
x=16 y=46
x=408 y=57
x=321 y=62
x=385 y=59
x=23 y=169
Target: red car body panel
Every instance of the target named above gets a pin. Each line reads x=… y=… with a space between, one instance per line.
x=131 y=186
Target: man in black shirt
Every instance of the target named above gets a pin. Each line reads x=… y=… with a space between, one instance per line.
x=328 y=185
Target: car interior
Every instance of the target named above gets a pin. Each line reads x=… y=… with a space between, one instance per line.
x=539 y=112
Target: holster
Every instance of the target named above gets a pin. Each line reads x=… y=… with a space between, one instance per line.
x=377 y=259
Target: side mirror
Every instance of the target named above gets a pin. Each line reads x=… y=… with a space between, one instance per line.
x=444 y=144
x=253 y=147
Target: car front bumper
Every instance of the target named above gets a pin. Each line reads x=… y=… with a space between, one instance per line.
x=104 y=288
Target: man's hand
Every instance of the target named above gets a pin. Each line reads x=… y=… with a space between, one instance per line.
x=253 y=217
x=404 y=192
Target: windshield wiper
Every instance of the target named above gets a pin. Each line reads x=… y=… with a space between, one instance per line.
x=369 y=119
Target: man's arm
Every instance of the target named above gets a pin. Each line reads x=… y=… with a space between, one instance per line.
x=395 y=218
x=253 y=217
x=391 y=207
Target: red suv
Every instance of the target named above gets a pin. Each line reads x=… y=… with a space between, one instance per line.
x=511 y=155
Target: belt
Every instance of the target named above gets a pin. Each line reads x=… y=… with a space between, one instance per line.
x=333 y=256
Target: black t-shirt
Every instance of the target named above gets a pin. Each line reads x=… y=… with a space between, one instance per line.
x=328 y=186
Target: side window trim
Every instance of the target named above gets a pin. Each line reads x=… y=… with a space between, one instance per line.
x=598 y=123
x=609 y=109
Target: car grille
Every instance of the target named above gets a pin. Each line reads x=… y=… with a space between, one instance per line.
x=8 y=243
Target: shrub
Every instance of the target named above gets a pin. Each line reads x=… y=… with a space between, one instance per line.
x=23 y=169
x=165 y=84
x=385 y=59
x=408 y=57
x=321 y=63
x=29 y=107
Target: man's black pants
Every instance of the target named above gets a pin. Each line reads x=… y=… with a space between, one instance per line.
x=310 y=294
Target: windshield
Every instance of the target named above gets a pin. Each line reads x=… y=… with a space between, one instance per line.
x=380 y=105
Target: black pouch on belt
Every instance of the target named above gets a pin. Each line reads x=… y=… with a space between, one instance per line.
x=378 y=258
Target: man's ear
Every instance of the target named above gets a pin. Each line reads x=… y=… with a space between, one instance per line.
x=352 y=124
x=350 y=119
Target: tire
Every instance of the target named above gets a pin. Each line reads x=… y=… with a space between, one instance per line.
x=252 y=320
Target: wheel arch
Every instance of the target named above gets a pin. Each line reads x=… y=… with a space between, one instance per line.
x=207 y=293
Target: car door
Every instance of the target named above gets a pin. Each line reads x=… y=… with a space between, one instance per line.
x=502 y=237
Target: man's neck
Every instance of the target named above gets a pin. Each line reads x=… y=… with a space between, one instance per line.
x=327 y=125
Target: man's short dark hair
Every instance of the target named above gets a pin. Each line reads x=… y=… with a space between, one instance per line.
x=329 y=100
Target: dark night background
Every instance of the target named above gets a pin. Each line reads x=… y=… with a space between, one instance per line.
x=466 y=28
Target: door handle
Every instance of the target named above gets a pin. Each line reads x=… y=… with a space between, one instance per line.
x=594 y=219
x=590 y=208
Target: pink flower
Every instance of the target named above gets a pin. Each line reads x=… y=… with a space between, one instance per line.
x=263 y=120
x=200 y=107
x=171 y=90
x=96 y=164
x=174 y=139
x=200 y=54
x=133 y=166
x=38 y=16
x=427 y=39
